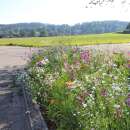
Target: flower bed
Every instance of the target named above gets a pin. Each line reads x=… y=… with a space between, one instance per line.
x=81 y=89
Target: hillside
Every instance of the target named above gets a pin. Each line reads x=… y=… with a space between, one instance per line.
x=41 y=30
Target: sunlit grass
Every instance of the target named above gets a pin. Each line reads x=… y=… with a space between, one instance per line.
x=92 y=39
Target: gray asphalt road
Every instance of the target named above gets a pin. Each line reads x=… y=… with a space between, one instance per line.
x=14 y=56
x=12 y=109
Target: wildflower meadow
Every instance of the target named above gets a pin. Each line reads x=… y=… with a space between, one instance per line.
x=80 y=89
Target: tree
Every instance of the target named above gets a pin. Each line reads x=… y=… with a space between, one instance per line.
x=34 y=33
x=128 y=26
x=127 y=30
x=43 y=32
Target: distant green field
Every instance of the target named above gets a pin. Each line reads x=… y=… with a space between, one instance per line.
x=107 y=38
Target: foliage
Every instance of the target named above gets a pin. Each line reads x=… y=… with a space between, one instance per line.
x=127 y=30
x=81 y=89
x=107 y=38
x=43 y=30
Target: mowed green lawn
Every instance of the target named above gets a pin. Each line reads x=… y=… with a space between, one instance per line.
x=107 y=38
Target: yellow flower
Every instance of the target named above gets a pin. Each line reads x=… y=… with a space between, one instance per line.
x=70 y=84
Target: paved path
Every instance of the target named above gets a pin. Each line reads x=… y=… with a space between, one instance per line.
x=12 y=108
x=14 y=56
x=12 y=111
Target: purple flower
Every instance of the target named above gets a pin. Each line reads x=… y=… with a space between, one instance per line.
x=42 y=62
x=39 y=64
x=85 y=56
x=128 y=100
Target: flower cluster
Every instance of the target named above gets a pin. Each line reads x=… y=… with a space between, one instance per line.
x=85 y=56
x=81 y=90
x=42 y=62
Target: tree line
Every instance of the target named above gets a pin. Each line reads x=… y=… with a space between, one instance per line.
x=127 y=30
x=44 y=30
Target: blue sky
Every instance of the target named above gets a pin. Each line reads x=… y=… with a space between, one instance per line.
x=59 y=11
